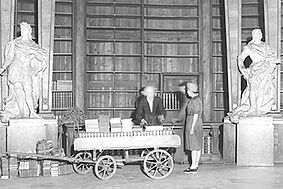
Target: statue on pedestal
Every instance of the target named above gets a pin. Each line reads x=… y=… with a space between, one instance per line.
x=25 y=62
x=260 y=93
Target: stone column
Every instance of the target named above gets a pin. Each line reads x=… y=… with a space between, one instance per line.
x=46 y=15
x=80 y=43
x=206 y=58
x=6 y=34
x=272 y=21
x=233 y=40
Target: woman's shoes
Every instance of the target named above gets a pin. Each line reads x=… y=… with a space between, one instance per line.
x=191 y=171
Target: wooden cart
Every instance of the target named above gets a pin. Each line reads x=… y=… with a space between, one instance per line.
x=157 y=162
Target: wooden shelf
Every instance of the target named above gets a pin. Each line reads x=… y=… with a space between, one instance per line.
x=217 y=72
x=170 y=6
x=113 y=16
x=64 y=14
x=217 y=55
x=112 y=28
x=63 y=39
x=62 y=54
x=63 y=26
x=171 y=29
x=115 y=55
x=250 y=3
x=250 y=15
x=26 y=12
x=218 y=91
x=218 y=109
x=113 y=72
x=171 y=17
x=113 y=4
x=113 y=40
x=172 y=42
x=62 y=71
x=172 y=56
x=64 y=2
x=112 y=91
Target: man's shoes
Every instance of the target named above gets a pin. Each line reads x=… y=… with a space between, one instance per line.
x=191 y=171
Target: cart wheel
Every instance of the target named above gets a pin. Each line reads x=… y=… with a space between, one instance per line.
x=105 y=167
x=82 y=168
x=158 y=164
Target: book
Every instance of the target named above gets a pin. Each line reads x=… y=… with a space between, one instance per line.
x=91 y=125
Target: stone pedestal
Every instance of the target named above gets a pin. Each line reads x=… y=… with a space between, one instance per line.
x=23 y=134
x=3 y=139
x=255 y=141
x=229 y=140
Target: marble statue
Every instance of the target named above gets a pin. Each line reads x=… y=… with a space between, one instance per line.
x=260 y=93
x=24 y=62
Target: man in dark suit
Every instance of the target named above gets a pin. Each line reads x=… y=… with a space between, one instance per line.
x=150 y=110
x=137 y=102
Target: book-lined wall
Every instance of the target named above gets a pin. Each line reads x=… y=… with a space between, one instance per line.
x=62 y=95
x=131 y=44
x=219 y=65
x=26 y=11
x=281 y=72
x=252 y=17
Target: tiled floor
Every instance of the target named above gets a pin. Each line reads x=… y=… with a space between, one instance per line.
x=212 y=176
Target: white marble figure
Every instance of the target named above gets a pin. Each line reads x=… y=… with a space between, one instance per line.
x=260 y=93
x=25 y=62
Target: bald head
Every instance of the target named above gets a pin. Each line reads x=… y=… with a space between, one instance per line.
x=149 y=91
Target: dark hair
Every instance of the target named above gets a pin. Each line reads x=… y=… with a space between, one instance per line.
x=141 y=90
x=183 y=84
x=186 y=91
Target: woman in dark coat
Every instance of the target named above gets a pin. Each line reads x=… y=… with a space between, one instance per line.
x=150 y=110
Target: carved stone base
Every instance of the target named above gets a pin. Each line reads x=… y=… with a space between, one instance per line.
x=255 y=141
x=23 y=134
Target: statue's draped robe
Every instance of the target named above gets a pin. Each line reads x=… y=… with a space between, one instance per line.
x=261 y=81
x=23 y=70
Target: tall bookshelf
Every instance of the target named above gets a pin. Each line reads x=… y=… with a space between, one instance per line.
x=26 y=11
x=134 y=43
x=171 y=47
x=252 y=17
x=281 y=71
x=219 y=64
x=62 y=85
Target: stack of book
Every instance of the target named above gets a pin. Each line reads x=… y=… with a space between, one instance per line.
x=4 y=167
x=54 y=168
x=154 y=128
x=13 y=167
x=115 y=124
x=91 y=125
x=46 y=167
x=65 y=169
x=29 y=168
x=127 y=125
x=103 y=123
x=137 y=128
x=24 y=168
